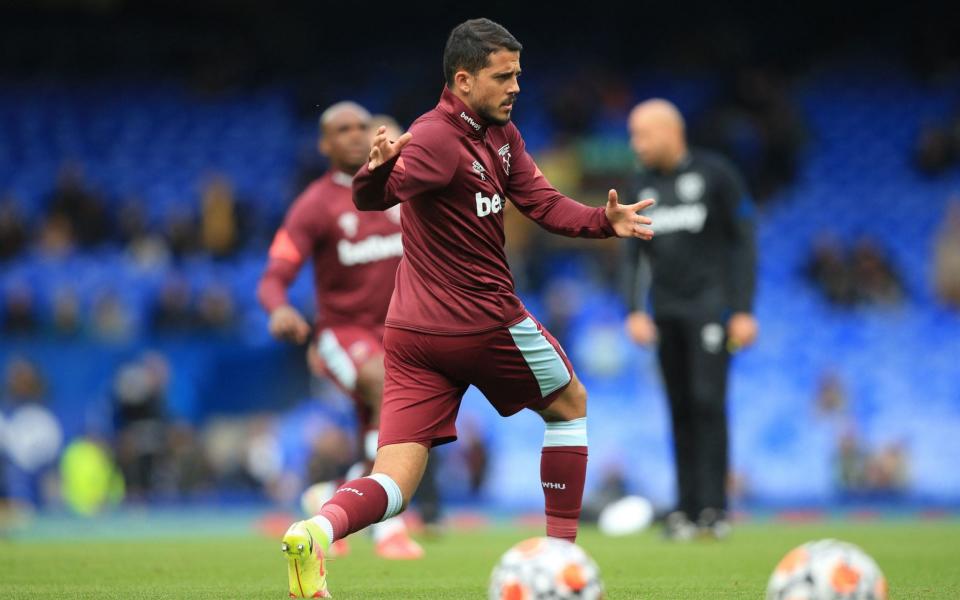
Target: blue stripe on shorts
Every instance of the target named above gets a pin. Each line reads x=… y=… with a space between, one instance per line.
x=542 y=358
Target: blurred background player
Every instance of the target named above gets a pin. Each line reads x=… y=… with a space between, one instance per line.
x=700 y=274
x=355 y=257
x=427 y=498
x=455 y=319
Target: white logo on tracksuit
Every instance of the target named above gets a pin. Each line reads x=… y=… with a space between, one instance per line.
x=487 y=206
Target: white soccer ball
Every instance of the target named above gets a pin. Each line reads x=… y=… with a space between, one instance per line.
x=631 y=514
x=827 y=570
x=546 y=569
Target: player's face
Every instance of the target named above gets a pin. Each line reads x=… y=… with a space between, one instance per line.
x=494 y=89
x=346 y=140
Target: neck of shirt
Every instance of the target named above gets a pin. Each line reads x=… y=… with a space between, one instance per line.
x=462 y=115
x=341 y=178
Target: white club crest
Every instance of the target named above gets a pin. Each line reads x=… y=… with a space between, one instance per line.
x=648 y=193
x=690 y=187
x=348 y=222
x=505 y=156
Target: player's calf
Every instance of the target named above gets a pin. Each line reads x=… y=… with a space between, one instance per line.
x=563 y=469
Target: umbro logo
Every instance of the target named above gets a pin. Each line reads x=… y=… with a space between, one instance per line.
x=479 y=170
x=350 y=489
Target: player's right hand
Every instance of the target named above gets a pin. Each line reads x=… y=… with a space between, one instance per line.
x=641 y=328
x=286 y=323
x=384 y=149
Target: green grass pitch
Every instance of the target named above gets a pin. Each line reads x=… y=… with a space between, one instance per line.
x=920 y=558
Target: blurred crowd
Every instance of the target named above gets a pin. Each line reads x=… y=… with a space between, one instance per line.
x=135 y=450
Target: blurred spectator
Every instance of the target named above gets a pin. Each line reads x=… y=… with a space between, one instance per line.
x=875 y=280
x=19 y=309
x=33 y=435
x=831 y=394
x=864 y=277
x=331 y=454
x=110 y=318
x=146 y=248
x=140 y=416
x=886 y=470
x=934 y=150
x=66 y=311
x=862 y=472
x=828 y=271
x=758 y=125
x=56 y=236
x=172 y=312
x=13 y=229
x=224 y=442
x=89 y=479
x=73 y=201
x=23 y=382
x=947 y=257
x=186 y=470
x=215 y=309
x=476 y=457
x=181 y=232
x=219 y=221
x=850 y=463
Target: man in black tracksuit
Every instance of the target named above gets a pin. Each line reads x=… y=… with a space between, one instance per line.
x=699 y=270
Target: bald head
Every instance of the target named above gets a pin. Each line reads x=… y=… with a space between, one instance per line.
x=344 y=135
x=657 y=134
x=336 y=111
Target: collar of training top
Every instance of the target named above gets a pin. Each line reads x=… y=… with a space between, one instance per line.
x=341 y=178
x=467 y=120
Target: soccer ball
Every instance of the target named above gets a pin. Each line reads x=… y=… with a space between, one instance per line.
x=827 y=570
x=545 y=569
x=631 y=514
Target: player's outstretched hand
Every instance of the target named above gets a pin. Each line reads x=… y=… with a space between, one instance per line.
x=286 y=323
x=625 y=220
x=384 y=149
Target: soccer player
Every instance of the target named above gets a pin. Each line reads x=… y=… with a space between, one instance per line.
x=702 y=267
x=454 y=319
x=355 y=256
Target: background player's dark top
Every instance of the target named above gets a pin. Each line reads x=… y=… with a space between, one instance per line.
x=702 y=259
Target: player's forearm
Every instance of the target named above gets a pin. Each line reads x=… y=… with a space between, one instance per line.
x=272 y=288
x=565 y=216
x=371 y=189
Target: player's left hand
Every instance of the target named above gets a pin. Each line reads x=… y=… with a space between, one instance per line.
x=742 y=331
x=625 y=220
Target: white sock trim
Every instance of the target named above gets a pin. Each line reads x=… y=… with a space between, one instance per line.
x=324 y=524
x=566 y=433
x=394 y=496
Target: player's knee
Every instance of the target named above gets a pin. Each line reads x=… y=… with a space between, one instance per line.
x=578 y=396
x=569 y=405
